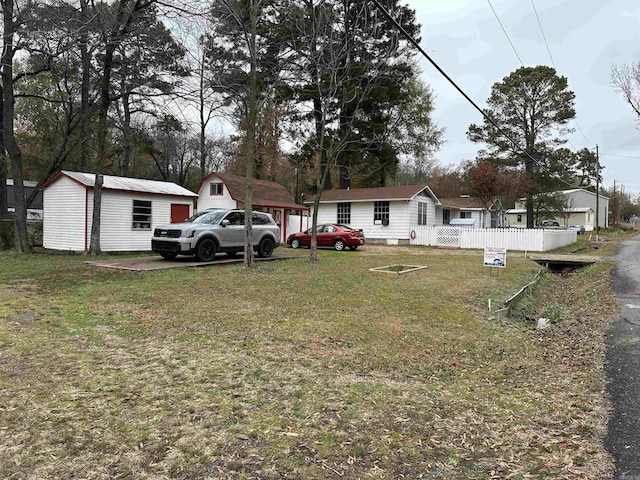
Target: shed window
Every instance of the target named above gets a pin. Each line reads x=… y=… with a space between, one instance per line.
x=519 y=218
x=344 y=214
x=465 y=214
x=141 y=215
x=381 y=213
x=215 y=189
x=422 y=213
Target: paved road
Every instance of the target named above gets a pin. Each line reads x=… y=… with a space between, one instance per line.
x=623 y=365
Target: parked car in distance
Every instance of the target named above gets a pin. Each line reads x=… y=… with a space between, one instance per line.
x=549 y=223
x=216 y=230
x=329 y=235
x=578 y=228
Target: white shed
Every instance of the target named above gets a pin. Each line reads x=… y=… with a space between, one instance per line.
x=131 y=209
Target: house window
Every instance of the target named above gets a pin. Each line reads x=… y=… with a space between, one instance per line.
x=381 y=213
x=422 y=213
x=519 y=220
x=465 y=214
x=344 y=213
x=215 y=189
x=141 y=215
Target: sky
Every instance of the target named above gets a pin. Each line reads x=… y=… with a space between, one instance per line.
x=585 y=39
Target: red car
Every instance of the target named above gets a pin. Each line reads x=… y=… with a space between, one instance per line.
x=329 y=235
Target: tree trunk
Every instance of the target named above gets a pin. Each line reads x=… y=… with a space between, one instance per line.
x=252 y=115
x=13 y=150
x=529 y=203
x=126 y=132
x=85 y=107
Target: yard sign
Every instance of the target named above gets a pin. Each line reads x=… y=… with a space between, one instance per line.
x=495 y=257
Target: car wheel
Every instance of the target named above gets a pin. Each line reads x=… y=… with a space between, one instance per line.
x=353 y=247
x=168 y=256
x=265 y=249
x=206 y=250
x=339 y=245
x=295 y=243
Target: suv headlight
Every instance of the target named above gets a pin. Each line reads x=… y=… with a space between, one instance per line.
x=190 y=233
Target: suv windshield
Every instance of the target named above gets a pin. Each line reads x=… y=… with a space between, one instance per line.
x=208 y=216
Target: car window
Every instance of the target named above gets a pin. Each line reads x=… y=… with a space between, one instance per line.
x=209 y=217
x=330 y=228
x=260 y=219
x=346 y=227
x=320 y=228
x=235 y=218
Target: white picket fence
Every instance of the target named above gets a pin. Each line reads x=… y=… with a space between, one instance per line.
x=531 y=240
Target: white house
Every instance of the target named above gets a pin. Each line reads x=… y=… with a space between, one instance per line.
x=580 y=208
x=469 y=211
x=131 y=208
x=387 y=213
x=383 y=213
x=223 y=190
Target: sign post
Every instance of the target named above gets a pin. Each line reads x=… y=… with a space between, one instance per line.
x=495 y=257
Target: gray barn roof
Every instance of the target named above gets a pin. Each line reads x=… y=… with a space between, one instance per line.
x=127 y=184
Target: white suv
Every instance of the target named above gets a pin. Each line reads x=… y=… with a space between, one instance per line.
x=212 y=231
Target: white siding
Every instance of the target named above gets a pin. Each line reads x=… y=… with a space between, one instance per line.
x=116 y=220
x=206 y=200
x=63 y=224
x=362 y=217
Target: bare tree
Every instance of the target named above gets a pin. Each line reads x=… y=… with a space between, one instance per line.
x=626 y=79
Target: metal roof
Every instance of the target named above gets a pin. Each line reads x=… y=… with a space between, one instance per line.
x=138 y=185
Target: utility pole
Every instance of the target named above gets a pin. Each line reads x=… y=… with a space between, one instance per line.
x=597 y=193
x=616 y=205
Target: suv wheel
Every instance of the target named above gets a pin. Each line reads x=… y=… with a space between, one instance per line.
x=339 y=245
x=206 y=250
x=265 y=249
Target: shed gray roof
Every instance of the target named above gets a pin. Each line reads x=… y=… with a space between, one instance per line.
x=138 y=185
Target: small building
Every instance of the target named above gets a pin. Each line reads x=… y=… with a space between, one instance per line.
x=223 y=190
x=469 y=208
x=131 y=208
x=580 y=208
x=34 y=211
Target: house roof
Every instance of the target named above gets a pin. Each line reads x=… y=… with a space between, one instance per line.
x=264 y=194
x=567 y=210
x=400 y=192
x=574 y=190
x=124 y=184
x=462 y=202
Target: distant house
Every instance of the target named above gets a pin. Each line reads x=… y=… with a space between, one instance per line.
x=34 y=211
x=580 y=208
x=222 y=190
x=470 y=212
x=131 y=208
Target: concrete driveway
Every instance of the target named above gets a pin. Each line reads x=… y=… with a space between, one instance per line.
x=623 y=365
x=156 y=262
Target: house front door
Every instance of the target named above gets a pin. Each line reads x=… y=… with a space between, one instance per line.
x=446 y=217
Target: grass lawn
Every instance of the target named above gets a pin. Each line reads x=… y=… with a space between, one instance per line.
x=299 y=371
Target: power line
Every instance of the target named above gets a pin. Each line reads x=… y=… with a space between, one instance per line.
x=621 y=156
x=505 y=32
x=544 y=37
x=415 y=43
